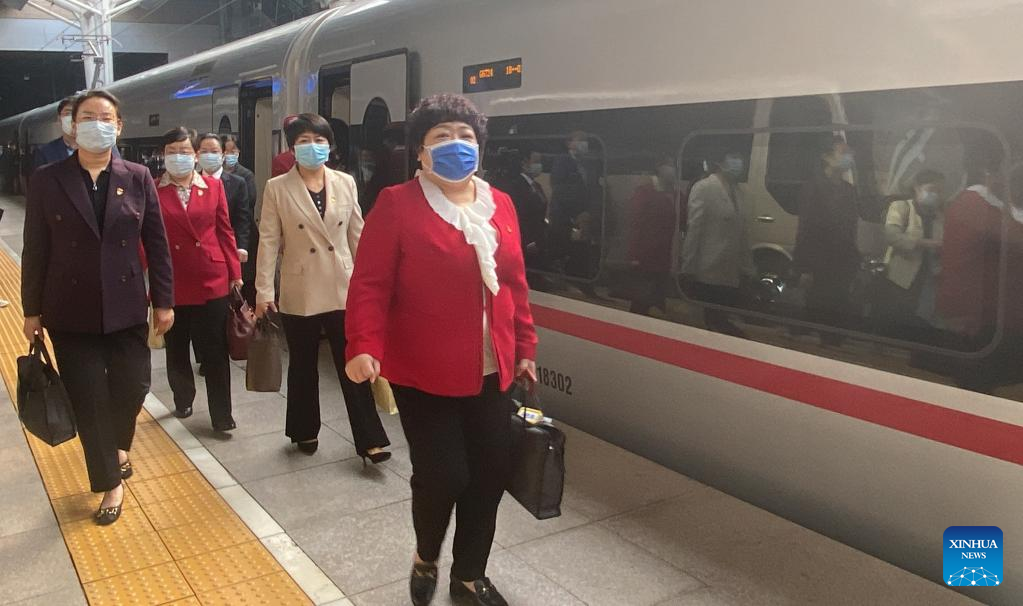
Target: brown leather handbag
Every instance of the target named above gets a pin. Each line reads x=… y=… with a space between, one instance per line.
x=241 y=324
x=263 y=370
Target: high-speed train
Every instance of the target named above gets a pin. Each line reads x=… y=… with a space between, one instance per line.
x=852 y=431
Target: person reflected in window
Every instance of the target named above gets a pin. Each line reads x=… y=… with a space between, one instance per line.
x=530 y=200
x=64 y=145
x=826 y=256
x=651 y=234
x=970 y=254
x=284 y=161
x=440 y=307
x=715 y=252
x=575 y=209
x=913 y=230
x=369 y=180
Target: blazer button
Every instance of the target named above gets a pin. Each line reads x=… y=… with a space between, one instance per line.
x=74 y=244
x=124 y=278
x=300 y=226
x=74 y=281
x=198 y=244
x=177 y=247
x=340 y=223
x=59 y=218
x=331 y=249
x=312 y=250
x=124 y=243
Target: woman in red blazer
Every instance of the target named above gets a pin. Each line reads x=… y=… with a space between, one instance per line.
x=206 y=267
x=438 y=305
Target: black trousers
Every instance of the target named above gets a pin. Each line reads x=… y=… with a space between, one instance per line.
x=107 y=377
x=461 y=457
x=303 y=420
x=207 y=324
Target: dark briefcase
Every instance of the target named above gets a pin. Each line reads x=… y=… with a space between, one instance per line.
x=538 y=460
x=263 y=369
x=43 y=403
x=241 y=324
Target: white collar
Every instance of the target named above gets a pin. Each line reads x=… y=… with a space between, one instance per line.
x=197 y=180
x=985 y=193
x=473 y=221
x=216 y=175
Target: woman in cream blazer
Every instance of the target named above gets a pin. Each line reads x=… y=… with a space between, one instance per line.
x=310 y=219
x=914 y=231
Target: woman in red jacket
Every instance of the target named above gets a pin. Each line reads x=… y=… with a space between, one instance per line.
x=205 y=261
x=438 y=305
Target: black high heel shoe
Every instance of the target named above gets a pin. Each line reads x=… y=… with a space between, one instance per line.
x=422 y=583
x=127 y=470
x=486 y=594
x=376 y=458
x=308 y=447
x=105 y=516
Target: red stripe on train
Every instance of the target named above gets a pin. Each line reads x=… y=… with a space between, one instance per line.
x=956 y=428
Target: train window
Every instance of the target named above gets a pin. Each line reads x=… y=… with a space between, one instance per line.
x=224 y=128
x=557 y=185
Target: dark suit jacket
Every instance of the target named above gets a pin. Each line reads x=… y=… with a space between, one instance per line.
x=78 y=280
x=530 y=207
x=238 y=207
x=571 y=193
x=250 y=183
x=54 y=151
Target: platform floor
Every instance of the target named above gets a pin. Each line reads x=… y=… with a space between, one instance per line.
x=246 y=519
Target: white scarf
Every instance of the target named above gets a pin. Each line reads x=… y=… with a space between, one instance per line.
x=474 y=223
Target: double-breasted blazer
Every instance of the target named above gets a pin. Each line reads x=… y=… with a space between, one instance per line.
x=79 y=279
x=317 y=254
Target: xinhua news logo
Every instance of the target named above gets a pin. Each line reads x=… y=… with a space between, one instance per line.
x=973 y=556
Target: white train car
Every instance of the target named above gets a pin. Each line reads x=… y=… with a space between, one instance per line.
x=857 y=438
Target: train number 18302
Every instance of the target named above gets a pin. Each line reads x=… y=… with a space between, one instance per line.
x=554 y=379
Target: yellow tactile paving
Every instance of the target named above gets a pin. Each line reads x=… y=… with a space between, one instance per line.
x=169 y=487
x=149 y=468
x=209 y=535
x=177 y=541
x=83 y=506
x=272 y=590
x=187 y=510
x=155 y=585
x=100 y=552
x=222 y=568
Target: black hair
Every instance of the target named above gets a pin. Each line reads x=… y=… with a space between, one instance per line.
x=69 y=100
x=437 y=109
x=928 y=176
x=308 y=123
x=177 y=135
x=225 y=139
x=204 y=137
x=95 y=94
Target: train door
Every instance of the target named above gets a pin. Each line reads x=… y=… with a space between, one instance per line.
x=335 y=104
x=256 y=132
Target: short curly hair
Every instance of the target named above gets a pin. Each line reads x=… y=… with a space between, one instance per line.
x=437 y=109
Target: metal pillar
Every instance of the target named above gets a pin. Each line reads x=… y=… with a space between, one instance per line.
x=93 y=19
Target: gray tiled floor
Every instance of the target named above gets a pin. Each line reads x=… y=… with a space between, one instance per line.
x=632 y=533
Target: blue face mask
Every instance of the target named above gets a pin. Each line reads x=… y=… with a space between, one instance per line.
x=230 y=160
x=454 y=161
x=312 y=155
x=846 y=162
x=179 y=165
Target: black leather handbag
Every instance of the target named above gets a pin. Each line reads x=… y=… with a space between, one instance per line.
x=538 y=459
x=43 y=404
